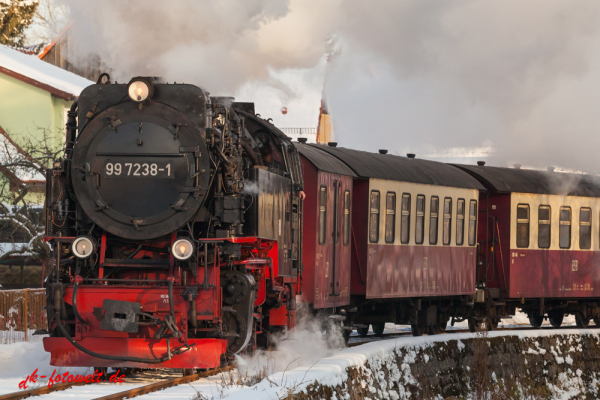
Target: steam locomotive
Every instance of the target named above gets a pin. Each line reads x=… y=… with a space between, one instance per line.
x=181 y=235
x=174 y=221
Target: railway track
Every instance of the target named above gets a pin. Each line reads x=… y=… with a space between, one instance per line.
x=126 y=394
x=23 y=394
x=153 y=387
x=372 y=338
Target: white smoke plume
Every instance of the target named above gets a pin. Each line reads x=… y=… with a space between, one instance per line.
x=217 y=44
x=521 y=78
x=309 y=342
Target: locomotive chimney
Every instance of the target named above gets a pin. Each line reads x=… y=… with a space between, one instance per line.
x=382 y=151
x=332 y=144
x=517 y=166
x=551 y=169
x=411 y=155
x=481 y=163
x=302 y=140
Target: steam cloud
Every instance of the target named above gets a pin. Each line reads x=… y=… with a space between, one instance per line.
x=519 y=78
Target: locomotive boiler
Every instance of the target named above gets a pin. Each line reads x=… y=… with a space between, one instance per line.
x=174 y=219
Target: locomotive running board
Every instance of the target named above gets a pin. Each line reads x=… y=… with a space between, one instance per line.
x=205 y=354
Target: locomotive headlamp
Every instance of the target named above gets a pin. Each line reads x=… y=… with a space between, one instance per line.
x=83 y=247
x=140 y=90
x=182 y=249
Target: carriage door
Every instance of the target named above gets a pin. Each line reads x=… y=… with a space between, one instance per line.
x=338 y=209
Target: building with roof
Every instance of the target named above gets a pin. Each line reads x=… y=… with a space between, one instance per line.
x=34 y=95
x=34 y=99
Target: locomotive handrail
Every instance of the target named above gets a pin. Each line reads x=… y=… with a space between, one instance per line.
x=104 y=154
x=122 y=280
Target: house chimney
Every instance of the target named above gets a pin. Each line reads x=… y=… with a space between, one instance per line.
x=411 y=155
x=517 y=166
x=551 y=169
x=382 y=151
x=481 y=163
x=302 y=140
x=332 y=144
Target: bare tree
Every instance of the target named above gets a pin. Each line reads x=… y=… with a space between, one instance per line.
x=23 y=168
x=50 y=17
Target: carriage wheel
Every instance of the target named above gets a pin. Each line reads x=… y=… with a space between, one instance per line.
x=378 y=328
x=417 y=330
x=362 y=332
x=536 y=320
x=556 y=318
x=581 y=321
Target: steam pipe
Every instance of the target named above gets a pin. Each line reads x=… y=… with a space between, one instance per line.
x=250 y=153
x=193 y=320
x=75 y=311
x=71 y=128
x=135 y=252
x=171 y=306
x=205 y=284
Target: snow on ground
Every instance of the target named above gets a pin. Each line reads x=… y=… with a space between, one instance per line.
x=332 y=370
x=299 y=361
x=19 y=360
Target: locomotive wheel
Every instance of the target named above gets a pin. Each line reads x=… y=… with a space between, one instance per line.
x=556 y=318
x=378 y=328
x=581 y=321
x=187 y=371
x=362 y=332
x=417 y=330
x=233 y=325
x=536 y=320
x=103 y=370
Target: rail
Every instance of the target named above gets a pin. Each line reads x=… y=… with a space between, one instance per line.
x=152 y=387
x=39 y=391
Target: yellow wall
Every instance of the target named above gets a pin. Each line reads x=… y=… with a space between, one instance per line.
x=25 y=109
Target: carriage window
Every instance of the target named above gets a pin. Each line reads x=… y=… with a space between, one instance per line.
x=346 y=217
x=374 y=218
x=523 y=225
x=420 y=220
x=585 y=228
x=433 y=219
x=405 y=222
x=447 y=220
x=460 y=222
x=323 y=215
x=564 y=228
x=544 y=227
x=390 y=217
x=472 y=222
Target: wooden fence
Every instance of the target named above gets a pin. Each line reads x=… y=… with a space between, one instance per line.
x=22 y=313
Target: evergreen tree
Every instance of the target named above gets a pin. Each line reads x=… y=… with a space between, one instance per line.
x=15 y=17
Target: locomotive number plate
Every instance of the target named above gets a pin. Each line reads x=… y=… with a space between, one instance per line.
x=138 y=169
